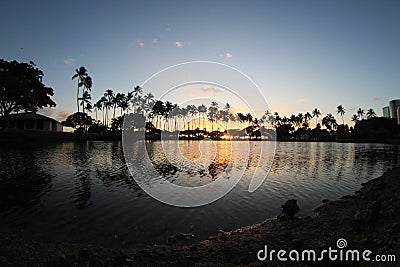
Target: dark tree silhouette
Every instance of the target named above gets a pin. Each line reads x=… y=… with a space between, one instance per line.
x=316 y=113
x=78 y=120
x=21 y=88
x=81 y=74
x=371 y=113
x=340 y=110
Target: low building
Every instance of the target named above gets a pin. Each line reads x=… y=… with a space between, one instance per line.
x=33 y=121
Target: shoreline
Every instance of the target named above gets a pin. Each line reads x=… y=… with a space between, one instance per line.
x=367 y=219
x=15 y=135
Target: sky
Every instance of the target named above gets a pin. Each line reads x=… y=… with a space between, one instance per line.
x=301 y=54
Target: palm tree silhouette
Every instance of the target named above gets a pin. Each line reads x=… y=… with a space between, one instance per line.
x=81 y=74
x=371 y=113
x=340 y=110
x=316 y=113
x=354 y=118
x=86 y=101
x=202 y=109
x=168 y=108
x=329 y=121
x=360 y=113
x=98 y=106
x=307 y=116
x=212 y=113
x=109 y=97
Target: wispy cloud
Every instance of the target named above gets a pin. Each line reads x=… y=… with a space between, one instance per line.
x=155 y=40
x=376 y=98
x=178 y=44
x=62 y=115
x=47 y=111
x=69 y=61
x=139 y=43
x=208 y=88
x=168 y=28
x=301 y=100
x=228 y=55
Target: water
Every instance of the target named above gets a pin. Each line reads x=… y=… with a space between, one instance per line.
x=83 y=192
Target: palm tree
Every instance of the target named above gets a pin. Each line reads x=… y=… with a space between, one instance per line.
x=116 y=101
x=227 y=108
x=85 y=101
x=98 y=106
x=87 y=83
x=360 y=113
x=316 y=113
x=371 y=113
x=329 y=121
x=137 y=91
x=354 y=118
x=168 y=108
x=212 y=113
x=307 y=116
x=109 y=97
x=249 y=118
x=192 y=110
x=340 y=110
x=123 y=104
x=278 y=119
x=81 y=74
x=202 y=109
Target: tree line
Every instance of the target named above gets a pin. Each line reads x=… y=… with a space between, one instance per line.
x=199 y=120
x=22 y=89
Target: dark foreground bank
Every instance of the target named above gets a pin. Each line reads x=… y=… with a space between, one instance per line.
x=367 y=220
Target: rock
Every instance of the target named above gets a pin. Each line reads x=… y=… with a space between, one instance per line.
x=325 y=200
x=290 y=208
x=173 y=239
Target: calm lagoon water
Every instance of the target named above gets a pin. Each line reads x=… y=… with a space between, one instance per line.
x=83 y=191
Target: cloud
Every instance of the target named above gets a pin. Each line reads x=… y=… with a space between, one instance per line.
x=69 y=61
x=301 y=100
x=53 y=113
x=208 y=88
x=47 y=111
x=139 y=43
x=168 y=28
x=178 y=44
x=376 y=98
x=228 y=55
x=63 y=114
x=155 y=40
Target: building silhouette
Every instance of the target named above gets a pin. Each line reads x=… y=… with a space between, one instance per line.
x=394 y=105
x=386 y=112
x=33 y=121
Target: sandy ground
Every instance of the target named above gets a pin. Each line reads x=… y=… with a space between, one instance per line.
x=369 y=219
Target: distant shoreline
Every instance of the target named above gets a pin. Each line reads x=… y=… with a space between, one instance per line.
x=15 y=135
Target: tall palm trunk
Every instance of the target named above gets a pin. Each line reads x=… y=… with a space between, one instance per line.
x=77 y=97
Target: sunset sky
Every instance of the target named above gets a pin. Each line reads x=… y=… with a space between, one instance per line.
x=301 y=54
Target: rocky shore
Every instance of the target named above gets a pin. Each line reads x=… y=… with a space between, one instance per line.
x=369 y=219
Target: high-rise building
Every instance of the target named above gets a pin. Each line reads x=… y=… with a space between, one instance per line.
x=398 y=116
x=393 y=106
x=386 y=112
